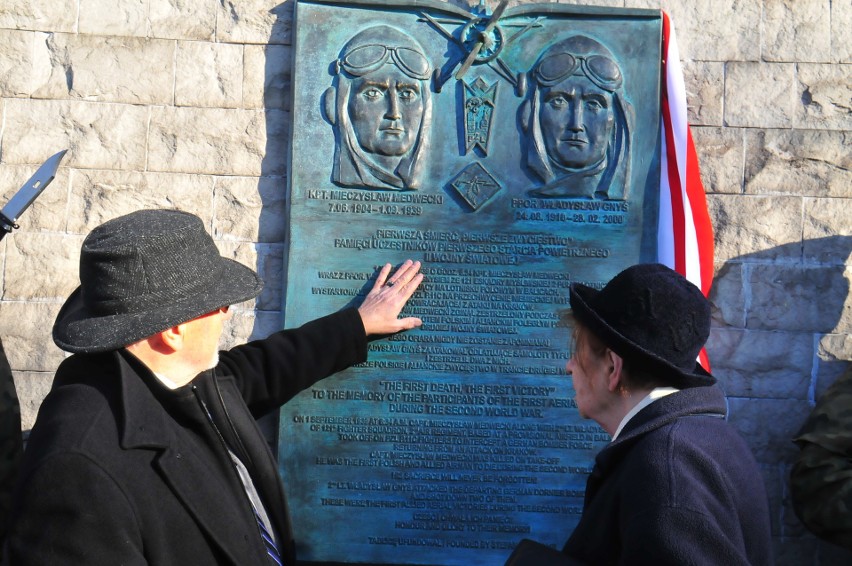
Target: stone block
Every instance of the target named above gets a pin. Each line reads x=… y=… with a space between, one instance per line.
x=98 y=136
x=107 y=17
x=2 y=255
x=790 y=524
x=27 y=335
x=41 y=266
x=775 y=495
x=727 y=295
x=605 y=3
x=186 y=19
x=99 y=68
x=58 y=16
x=18 y=63
x=759 y=95
x=32 y=387
x=209 y=74
x=768 y=426
x=799 y=298
x=218 y=141
x=238 y=328
x=841 y=23
x=251 y=208
x=247 y=324
x=266 y=322
x=796 y=31
x=253 y=21
x=268 y=261
x=100 y=195
x=827 y=231
x=47 y=213
x=844 y=324
x=726 y=30
x=825 y=92
x=705 y=87
x=749 y=224
x=834 y=355
x=266 y=76
x=783 y=520
x=720 y=157
x=798 y=162
x=768 y=365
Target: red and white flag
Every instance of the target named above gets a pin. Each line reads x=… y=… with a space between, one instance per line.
x=684 y=235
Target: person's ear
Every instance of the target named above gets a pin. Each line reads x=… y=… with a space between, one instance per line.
x=171 y=339
x=614 y=366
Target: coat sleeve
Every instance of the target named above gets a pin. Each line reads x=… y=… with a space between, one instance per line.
x=271 y=371
x=10 y=440
x=672 y=536
x=821 y=478
x=821 y=486
x=66 y=521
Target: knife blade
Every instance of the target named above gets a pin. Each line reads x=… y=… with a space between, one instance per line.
x=29 y=192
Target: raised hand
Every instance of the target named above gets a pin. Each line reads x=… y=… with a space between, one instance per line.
x=382 y=305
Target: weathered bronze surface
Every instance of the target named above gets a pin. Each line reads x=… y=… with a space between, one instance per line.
x=512 y=155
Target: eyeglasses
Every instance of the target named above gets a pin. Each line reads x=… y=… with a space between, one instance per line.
x=601 y=70
x=367 y=58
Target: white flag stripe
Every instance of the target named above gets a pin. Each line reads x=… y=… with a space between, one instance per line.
x=665 y=235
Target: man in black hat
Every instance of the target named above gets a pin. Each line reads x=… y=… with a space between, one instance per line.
x=146 y=450
x=677 y=484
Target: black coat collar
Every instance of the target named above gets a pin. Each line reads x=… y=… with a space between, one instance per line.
x=149 y=416
x=709 y=401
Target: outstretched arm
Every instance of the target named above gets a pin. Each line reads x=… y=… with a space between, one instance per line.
x=382 y=305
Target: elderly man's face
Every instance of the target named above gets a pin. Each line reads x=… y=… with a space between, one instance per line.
x=588 y=370
x=576 y=121
x=386 y=108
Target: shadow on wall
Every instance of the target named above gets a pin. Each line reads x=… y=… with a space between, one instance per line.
x=273 y=230
x=799 y=291
x=782 y=334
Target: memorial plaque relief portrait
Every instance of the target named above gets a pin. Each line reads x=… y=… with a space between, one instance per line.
x=577 y=122
x=380 y=107
x=513 y=151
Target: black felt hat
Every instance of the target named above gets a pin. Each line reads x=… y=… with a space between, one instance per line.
x=651 y=314
x=143 y=273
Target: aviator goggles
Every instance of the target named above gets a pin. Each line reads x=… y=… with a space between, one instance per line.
x=601 y=70
x=367 y=58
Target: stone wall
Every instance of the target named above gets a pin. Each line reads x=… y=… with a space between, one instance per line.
x=186 y=104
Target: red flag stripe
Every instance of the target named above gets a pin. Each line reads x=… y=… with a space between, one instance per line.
x=685 y=235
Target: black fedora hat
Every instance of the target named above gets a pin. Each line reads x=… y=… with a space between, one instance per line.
x=651 y=314
x=143 y=273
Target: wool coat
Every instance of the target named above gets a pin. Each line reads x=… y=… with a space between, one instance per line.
x=120 y=470
x=11 y=447
x=678 y=486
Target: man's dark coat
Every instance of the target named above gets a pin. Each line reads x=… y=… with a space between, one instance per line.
x=11 y=446
x=120 y=470
x=678 y=486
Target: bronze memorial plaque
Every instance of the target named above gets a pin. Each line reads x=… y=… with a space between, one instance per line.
x=512 y=151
